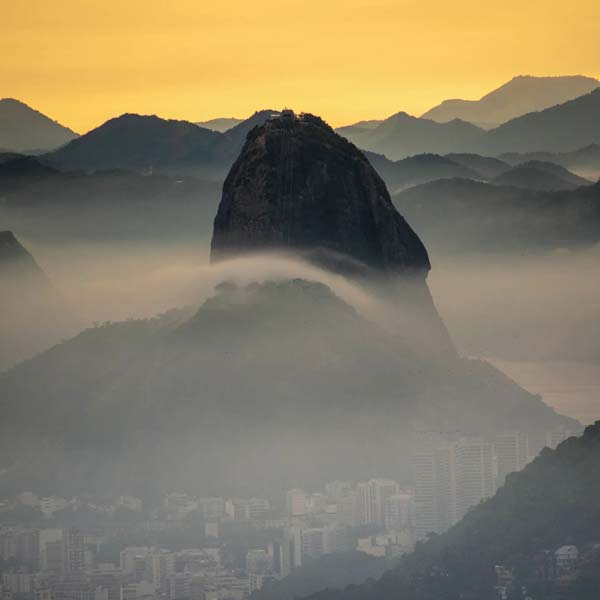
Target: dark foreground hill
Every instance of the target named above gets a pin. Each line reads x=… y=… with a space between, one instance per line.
x=265 y=386
x=331 y=571
x=553 y=502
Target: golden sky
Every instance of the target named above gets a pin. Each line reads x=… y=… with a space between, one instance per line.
x=84 y=61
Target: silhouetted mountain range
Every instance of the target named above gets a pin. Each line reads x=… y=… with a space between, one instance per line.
x=403 y=135
x=540 y=175
x=565 y=127
x=585 y=160
x=521 y=95
x=553 y=502
x=420 y=168
x=486 y=167
x=23 y=129
x=148 y=143
x=43 y=203
x=140 y=143
x=473 y=217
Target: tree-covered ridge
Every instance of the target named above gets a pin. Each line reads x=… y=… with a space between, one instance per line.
x=554 y=501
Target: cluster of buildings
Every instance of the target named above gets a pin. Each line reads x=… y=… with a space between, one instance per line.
x=554 y=569
x=378 y=517
x=451 y=477
x=62 y=566
x=65 y=563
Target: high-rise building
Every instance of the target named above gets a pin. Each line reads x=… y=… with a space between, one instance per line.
x=335 y=490
x=381 y=490
x=179 y=586
x=20 y=544
x=213 y=509
x=296 y=502
x=258 y=509
x=474 y=473
x=347 y=509
x=258 y=561
x=316 y=503
x=236 y=509
x=313 y=543
x=108 y=578
x=52 y=556
x=372 y=496
x=400 y=512
x=512 y=454
x=161 y=565
x=365 y=505
x=286 y=553
x=434 y=468
x=19 y=584
x=142 y=590
x=74 y=561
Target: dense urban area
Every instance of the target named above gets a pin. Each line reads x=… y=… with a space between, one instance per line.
x=193 y=548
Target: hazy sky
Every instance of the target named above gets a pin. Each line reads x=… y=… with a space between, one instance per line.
x=83 y=61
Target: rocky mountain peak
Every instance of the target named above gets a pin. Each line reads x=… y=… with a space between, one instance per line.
x=299 y=187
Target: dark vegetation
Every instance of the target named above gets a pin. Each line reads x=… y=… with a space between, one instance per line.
x=553 y=501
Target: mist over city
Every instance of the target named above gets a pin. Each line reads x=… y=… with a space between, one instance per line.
x=299 y=303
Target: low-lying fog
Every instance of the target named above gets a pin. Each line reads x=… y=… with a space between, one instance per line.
x=518 y=312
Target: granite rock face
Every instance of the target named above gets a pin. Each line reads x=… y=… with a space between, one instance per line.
x=299 y=187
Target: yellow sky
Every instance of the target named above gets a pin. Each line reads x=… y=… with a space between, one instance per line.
x=83 y=61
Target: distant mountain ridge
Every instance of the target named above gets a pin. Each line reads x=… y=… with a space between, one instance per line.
x=23 y=129
x=420 y=168
x=585 y=160
x=403 y=135
x=220 y=124
x=465 y=216
x=522 y=94
x=33 y=315
x=565 y=127
x=540 y=175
